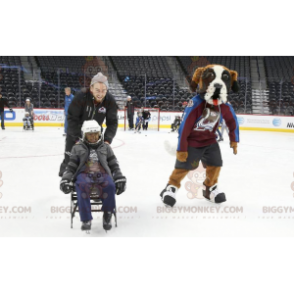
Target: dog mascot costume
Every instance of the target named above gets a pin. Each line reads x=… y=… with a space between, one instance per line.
x=197 y=139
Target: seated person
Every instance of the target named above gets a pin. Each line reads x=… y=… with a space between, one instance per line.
x=93 y=168
x=176 y=124
x=27 y=121
x=29 y=107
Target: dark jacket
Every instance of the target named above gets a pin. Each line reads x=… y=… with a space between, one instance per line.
x=146 y=114
x=3 y=102
x=83 y=108
x=80 y=155
x=130 y=108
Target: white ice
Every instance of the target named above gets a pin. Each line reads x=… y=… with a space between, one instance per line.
x=260 y=175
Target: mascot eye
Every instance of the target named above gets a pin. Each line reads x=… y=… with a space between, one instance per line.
x=211 y=76
x=195 y=175
x=226 y=77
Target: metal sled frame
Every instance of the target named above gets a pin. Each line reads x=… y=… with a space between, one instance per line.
x=95 y=201
x=29 y=127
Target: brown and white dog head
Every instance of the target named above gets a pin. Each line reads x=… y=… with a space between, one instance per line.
x=215 y=82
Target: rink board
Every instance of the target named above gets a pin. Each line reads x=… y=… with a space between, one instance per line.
x=55 y=118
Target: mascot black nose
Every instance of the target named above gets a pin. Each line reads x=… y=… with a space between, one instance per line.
x=218 y=86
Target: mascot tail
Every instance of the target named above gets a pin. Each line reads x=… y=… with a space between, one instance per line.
x=170 y=148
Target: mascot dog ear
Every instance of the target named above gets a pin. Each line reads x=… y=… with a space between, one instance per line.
x=196 y=78
x=234 y=84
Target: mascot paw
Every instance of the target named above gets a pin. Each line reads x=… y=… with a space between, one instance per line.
x=234 y=146
x=182 y=156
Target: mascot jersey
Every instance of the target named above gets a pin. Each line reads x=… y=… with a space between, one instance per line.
x=200 y=121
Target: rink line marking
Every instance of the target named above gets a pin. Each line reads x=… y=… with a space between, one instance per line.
x=3 y=138
x=123 y=143
x=30 y=156
x=266 y=147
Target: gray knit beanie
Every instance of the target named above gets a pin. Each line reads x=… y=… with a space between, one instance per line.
x=100 y=78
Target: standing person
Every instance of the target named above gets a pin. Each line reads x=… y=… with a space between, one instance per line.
x=95 y=103
x=67 y=100
x=3 y=102
x=130 y=112
x=146 y=118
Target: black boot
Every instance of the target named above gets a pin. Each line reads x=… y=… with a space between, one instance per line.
x=213 y=194
x=168 y=195
x=107 y=220
x=86 y=226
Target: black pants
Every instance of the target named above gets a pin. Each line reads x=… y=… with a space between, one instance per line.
x=69 y=143
x=209 y=155
x=2 y=119
x=145 y=125
x=131 y=121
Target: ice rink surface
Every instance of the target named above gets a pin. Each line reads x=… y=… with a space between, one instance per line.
x=258 y=183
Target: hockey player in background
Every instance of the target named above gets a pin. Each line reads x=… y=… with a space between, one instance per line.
x=176 y=124
x=139 y=122
x=27 y=122
x=146 y=118
x=29 y=109
x=93 y=167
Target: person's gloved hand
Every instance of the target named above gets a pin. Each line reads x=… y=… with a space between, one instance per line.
x=234 y=146
x=182 y=156
x=66 y=186
x=120 y=185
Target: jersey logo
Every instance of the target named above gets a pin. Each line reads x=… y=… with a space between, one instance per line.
x=207 y=122
x=190 y=104
x=102 y=110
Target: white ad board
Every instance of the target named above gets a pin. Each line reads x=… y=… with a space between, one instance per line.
x=55 y=117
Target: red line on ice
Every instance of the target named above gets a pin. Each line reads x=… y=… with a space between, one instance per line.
x=30 y=156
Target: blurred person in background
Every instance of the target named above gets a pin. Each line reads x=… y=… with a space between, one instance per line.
x=67 y=100
x=3 y=102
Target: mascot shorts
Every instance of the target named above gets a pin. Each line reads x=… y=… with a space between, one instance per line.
x=209 y=155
